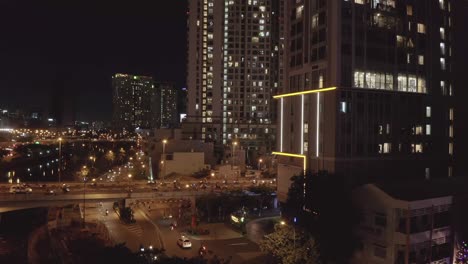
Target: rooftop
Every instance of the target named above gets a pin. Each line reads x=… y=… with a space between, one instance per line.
x=424 y=189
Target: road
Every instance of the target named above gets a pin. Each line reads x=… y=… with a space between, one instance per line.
x=227 y=245
x=143 y=232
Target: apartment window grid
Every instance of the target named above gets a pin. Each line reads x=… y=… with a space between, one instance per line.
x=246 y=75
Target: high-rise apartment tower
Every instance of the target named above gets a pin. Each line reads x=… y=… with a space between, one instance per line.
x=132 y=101
x=233 y=69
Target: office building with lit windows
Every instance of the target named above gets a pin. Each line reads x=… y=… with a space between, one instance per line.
x=234 y=50
x=368 y=90
x=132 y=101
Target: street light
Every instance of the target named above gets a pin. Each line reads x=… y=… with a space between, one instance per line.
x=234 y=144
x=93 y=159
x=260 y=164
x=129 y=178
x=84 y=173
x=163 y=158
x=283 y=223
x=60 y=160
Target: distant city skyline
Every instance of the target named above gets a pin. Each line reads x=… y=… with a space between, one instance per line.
x=50 y=43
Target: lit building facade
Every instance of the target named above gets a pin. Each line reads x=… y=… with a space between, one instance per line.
x=132 y=101
x=233 y=69
x=368 y=90
x=165 y=104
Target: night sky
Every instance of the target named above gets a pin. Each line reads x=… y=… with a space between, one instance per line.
x=71 y=49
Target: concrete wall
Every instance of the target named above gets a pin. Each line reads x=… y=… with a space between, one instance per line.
x=285 y=172
x=185 y=163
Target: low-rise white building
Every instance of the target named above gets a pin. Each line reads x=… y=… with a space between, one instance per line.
x=184 y=163
x=404 y=224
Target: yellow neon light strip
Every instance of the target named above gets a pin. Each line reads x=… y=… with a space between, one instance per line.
x=304 y=92
x=292 y=155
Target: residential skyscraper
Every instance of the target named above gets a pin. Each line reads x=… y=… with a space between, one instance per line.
x=165 y=102
x=368 y=92
x=132 y=101
x=233 y=69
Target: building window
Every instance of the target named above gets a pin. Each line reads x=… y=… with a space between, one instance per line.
x=443 y=88
x=427 y=173
x=450 y=171
x=343 y=107
x=306 y=146
x=428 y=111
x=442 y=64
x=451 y=131
x=387 y=147
x=442 y=4
x=450 y=147
x=409 y=10
x=306 y=128
x=421 y=59
x=361 y=2
x=380 y=251
x=421 y=28
x=451 y=114
x=442 y=33
x=428 y=129
x=442 y=48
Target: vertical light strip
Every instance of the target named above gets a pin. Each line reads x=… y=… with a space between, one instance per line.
x=318 y=125
x=302 y=124
x=281 y=126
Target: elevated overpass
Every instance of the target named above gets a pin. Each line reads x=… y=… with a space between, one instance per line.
x=12 y=202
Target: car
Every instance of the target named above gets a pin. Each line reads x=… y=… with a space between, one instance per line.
x=50 y=192
x=20 y=189
x=65 y=188
x=184 y=242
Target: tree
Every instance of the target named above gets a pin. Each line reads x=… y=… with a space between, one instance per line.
x=319 y=208
x=110 y=157
x=263 y=195
x=462 y=253
x=291 y=245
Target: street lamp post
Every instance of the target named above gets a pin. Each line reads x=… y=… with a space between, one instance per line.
x=60 y=160
x=163 y=159
x=294 y=236
x=234 y=144
x=84 y=196
x=129 y=178
x=260 y=164
x=93 y=159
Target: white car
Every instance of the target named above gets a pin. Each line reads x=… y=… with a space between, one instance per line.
x=184 y=242
x=20 y=189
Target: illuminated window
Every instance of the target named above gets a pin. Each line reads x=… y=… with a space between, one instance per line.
x=428 y=129
x=421 y=28
x=343 y=107
x=442 y=64
x=421 y=59
x=450 y=148
x=442 y=33
x=428 y=111
x=409 y=10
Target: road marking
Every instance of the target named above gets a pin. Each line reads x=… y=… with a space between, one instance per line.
x=136 y=229
x=238 y=244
